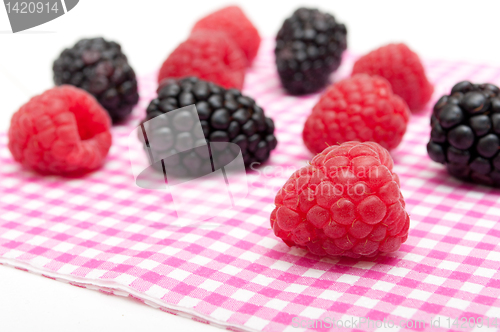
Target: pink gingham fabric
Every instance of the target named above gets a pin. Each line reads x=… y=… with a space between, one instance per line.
x=102 y=232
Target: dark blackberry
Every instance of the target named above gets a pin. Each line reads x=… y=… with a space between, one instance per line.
x=465 y=133
x=99 y=67
x=225 y=115
x=308 y=49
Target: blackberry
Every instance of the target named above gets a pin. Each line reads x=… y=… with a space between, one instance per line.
x=465 y=132
x=99 y=67
x=225 y=115
x=309 y=48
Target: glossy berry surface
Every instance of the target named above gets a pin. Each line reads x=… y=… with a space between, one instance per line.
x=208 y=55
x=360 y=108
x=309 y=48
x=465 y=133
x=235 y=24
x=100 y=68
x=225 y=115
x=347 y=202
x=402 y=67
x=62 y=131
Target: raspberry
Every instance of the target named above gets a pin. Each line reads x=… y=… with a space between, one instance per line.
x=208 y=55
x=62 y=131
x=360 y=108
x=346 y=202
x=309 y=48
x=402 y=68
x=232 y=21
x=100 y=68
x=465 y=133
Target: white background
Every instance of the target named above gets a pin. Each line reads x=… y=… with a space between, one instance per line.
x=148 y=30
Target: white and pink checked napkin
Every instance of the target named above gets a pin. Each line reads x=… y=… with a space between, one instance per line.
x=102 y=232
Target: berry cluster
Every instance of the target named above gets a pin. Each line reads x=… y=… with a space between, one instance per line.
x=347 y=202
x=100 y=68
x=465 y=132
x=309 y=48
x=219 y=49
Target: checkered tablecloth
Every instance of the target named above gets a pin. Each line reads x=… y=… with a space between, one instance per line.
x=102 y=232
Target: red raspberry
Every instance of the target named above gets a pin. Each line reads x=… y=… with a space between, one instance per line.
x=208 y=55
x=403 y=69
x=62 y=131
x=347 y=202
x=233 y=21
x=360 y=108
